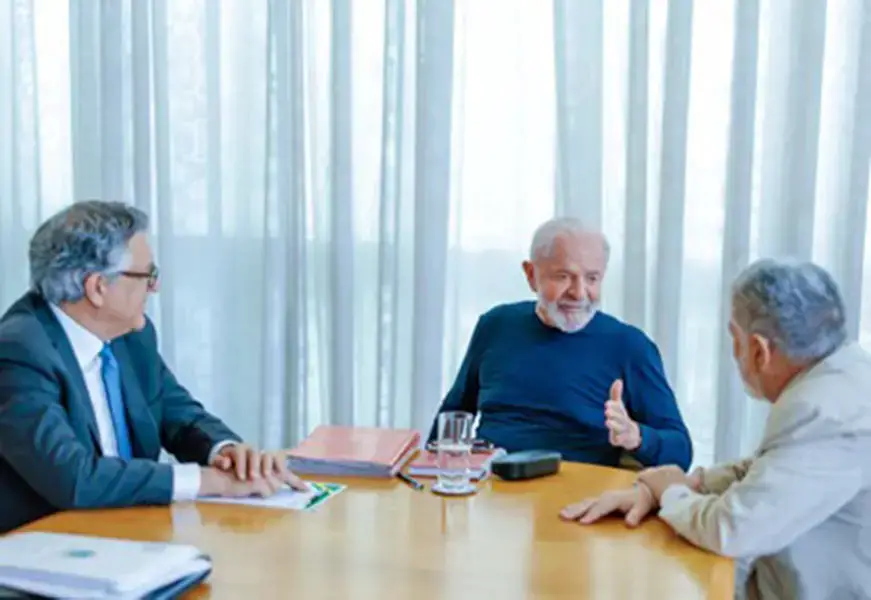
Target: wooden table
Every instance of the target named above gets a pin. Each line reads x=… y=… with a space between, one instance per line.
x=384 y=540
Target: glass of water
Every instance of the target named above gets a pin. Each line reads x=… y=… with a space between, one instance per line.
x=453 y=452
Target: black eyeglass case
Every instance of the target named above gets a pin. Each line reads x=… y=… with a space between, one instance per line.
x=528 y=464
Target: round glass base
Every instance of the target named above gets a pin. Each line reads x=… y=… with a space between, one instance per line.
x=466 y=490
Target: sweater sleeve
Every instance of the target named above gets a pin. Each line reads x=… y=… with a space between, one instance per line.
x=652 y=404
x=463 y=394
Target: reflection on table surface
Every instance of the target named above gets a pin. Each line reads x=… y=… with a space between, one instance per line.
x=382 y=539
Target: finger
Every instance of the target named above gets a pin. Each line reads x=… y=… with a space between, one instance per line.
x=616 y=425
x=577 y=510
x=273 y=483
x=241 y=462
x=617 y=391
x=617 y=408
x=614 y=412
x=222 y=462
x=295 y=482
x=618 y=403
x=241 y=489
x=601 y=508
x=280 y=470
x=638 y=511
x=612 y=438
x=267 y=465
x=263 y=486
x=253 y=463
x=279 y=465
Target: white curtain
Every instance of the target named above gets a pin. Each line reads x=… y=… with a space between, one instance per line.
x=339 y=188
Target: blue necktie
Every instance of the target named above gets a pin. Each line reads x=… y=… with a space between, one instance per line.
x=112 y=382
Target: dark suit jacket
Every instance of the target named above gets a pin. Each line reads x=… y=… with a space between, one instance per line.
x=50 y=456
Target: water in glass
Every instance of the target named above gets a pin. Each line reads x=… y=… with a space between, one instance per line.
x=454 y=448
x=453 y=464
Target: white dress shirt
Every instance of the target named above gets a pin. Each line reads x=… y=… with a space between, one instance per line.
x=87 y=347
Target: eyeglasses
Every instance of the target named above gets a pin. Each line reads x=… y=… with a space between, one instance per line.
x=152 y=276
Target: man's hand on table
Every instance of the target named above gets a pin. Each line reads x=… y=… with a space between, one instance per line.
x=215 y=482
x=249 y=464
x=635 y=503
x=238 y=470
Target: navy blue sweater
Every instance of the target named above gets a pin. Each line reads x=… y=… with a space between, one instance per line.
x=536 y=387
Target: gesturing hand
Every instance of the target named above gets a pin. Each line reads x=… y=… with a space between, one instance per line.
x=623 y=432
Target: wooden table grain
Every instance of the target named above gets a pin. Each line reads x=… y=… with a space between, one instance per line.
x=383 y=540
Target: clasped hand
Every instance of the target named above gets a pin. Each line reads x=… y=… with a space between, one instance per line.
x=245 y=471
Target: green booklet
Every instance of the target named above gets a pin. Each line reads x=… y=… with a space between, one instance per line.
x=323 y=492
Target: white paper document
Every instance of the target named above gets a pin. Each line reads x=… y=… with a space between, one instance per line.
x=286 y=498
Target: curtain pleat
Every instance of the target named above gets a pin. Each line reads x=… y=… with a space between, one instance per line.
x=578 y=49
x=636 y=291
x=731 y=397
x=672 y=180
x=435 y=26
x=393 y=125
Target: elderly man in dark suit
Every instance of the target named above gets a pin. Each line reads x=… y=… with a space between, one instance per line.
x=86 y=401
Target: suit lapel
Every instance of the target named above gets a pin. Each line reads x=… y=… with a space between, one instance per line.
x=80 y=407
x=144 y=433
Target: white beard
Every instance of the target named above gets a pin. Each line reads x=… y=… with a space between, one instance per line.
x=568 y=321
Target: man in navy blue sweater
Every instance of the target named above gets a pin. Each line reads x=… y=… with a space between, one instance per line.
x=558 y=374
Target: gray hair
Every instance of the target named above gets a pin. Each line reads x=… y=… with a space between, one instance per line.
x=795 y=305
x=84 y=238
x=550 y=231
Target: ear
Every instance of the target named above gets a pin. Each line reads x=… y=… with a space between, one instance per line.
x=529 y=271
x=95 y=289
x=760 y=351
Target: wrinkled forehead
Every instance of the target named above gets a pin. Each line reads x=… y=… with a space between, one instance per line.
x=581 y=250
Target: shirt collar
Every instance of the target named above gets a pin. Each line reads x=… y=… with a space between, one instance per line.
x=86 y=345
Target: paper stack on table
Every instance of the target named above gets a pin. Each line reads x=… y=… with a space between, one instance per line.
x=58 y=565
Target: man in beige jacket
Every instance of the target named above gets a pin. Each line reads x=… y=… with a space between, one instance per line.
x=797 y=515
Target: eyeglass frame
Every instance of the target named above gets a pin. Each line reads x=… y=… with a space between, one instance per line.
x=151 y=277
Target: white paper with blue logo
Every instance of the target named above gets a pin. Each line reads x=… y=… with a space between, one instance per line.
x=71 y=566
